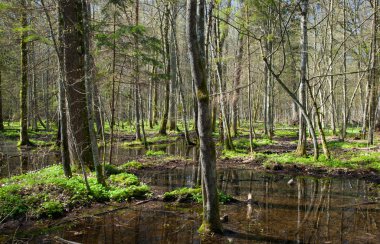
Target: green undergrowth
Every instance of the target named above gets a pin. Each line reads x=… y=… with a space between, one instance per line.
x=237 y=153
x=48 y=193
x=132 y=165
x=151 y=140
x=347 y=145
x=186 y=194
x=155 y=153
x=353 y=160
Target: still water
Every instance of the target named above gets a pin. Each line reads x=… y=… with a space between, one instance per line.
x=309 y=211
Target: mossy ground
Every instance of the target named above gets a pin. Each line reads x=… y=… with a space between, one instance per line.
x=48 y=193
x=187 y=194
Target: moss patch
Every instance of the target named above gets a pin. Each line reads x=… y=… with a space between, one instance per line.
x=186 y=194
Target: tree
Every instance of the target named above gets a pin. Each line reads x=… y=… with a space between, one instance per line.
x=74 y=62
x=24 y=138
x=211 y=221
x=1 y=104
x=301 y=147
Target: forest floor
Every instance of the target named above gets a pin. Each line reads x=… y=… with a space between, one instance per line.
x=352 y=158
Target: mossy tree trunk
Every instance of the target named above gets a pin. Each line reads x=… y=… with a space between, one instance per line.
x=211 y=221
x=164 y=120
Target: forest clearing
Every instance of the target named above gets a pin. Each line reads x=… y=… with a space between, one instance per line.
x=189 y=121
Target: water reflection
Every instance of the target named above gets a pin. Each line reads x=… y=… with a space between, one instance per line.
x=270 y=211
x=14 y=160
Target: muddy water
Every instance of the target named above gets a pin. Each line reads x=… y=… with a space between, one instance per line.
x=309 y=211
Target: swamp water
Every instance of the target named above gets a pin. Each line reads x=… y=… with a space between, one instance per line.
x=311 y=210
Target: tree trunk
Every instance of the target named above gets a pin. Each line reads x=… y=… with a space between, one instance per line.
x=74 y=52
x=89 y=93
x=1 y=104
x=374 y=78
x=301 y=147
x=331 y=70
x=211 y=221
x=24 y=138
x=235 y=99
x=112 y=123
x=137 y=80
x=165 y=115
x=173 y=71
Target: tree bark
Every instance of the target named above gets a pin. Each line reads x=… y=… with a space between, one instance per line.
x=235 y=99
x=24 y=138
x=1 y=104
x=211 y=221
x=374 y=76
x=89 y=93
x=173 y=71
x=74 y=51
x=301 y=147
x=165 y=115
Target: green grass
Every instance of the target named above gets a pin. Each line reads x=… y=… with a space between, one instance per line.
x=48 y=193
x=238 y=153
x=347 y=145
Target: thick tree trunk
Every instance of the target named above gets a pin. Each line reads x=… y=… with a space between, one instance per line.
x=74 y=51
x=211 y=221
x=165 y=115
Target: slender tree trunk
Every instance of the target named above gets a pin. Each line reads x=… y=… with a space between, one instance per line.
x=112 y=123
x=173 y=71
x=211 y=221
x=46 y=95
x=89 y=93
x=155 y=102
x=1 y=104
x=345 y=112
x=374 y=79
x=150 y=98
x=137 y=80
x=24 y=138
x=252 y=133
x=34 y=93
x=235 y=99
x=182 y=96
x=59 y=49
x=331 y=69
